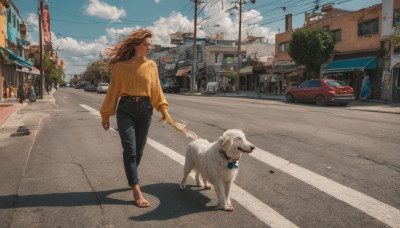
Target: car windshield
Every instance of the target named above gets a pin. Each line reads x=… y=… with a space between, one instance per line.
x=103 y=84
x=336 y=83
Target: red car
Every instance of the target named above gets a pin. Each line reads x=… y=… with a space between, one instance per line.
x=321 y=91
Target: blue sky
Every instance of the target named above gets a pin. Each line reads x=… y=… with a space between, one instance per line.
x=83 y=28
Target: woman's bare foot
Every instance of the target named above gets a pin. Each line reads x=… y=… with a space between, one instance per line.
x=229 y=209
x=138 y=197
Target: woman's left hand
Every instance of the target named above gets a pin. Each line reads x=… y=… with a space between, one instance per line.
x=164 y=113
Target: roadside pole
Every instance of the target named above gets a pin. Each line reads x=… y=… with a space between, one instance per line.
x=40 y=12
x=194 y=63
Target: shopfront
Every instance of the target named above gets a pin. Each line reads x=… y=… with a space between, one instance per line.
x=352 y=71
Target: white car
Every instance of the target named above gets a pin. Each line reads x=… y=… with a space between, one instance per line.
x=102 y=88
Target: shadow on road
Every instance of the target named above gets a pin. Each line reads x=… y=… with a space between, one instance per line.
x=69 y=199
x=175 y=202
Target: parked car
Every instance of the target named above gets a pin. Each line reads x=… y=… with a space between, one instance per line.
x=90 y=88
x=171 y=87
x=102 y=88
x=321 y=91
x=79 y=86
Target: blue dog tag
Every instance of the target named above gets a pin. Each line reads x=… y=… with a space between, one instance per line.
x=232 y=165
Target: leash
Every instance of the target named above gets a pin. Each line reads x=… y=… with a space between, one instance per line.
x=180 y=127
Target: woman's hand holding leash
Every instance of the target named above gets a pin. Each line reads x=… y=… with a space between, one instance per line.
x=164 y=113
x=177 y=126
x=106 y=125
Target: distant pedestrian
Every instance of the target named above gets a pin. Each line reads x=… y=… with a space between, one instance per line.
x=135 y=80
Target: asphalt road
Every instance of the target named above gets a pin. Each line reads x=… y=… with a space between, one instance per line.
x=314 y=167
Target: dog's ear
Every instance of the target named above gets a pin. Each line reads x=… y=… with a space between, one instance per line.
x=220 y=142
x=225 y=142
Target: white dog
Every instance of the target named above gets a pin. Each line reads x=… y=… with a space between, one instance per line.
x=217 y=163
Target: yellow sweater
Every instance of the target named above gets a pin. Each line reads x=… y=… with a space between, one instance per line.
x=137 y=79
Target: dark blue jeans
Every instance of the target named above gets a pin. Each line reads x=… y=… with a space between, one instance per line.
x=133 y=119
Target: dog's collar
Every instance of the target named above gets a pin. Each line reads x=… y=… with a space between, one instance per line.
x=232 y=162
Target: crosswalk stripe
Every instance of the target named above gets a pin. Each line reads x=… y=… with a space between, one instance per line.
x=379 y=210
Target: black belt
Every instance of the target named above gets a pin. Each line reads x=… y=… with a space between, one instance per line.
x=134 y=98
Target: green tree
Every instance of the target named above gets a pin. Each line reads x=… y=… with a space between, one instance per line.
x=96 y=72
x=311 y=47
x=52 y=70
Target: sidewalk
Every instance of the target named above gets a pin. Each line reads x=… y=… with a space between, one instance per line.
x=10 y=105
x=368 y=105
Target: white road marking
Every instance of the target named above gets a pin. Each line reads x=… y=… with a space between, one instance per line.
x=252 y=204
x=95 y=113
x=91 y=110
x=379 y=210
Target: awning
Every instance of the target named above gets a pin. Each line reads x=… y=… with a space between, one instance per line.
x=35 y=70
x=183 y=72
x=288 y=68
x=348 y=65
x=16 y=58
x=246 y=70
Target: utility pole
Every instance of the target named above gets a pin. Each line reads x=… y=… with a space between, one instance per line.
x=241 y=2
x=194 y=64
x=40 y=12
x=239 y=46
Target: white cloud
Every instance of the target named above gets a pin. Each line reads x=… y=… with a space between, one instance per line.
x=77 y=55
x=157 y=1
x=104 y=10
x=33 y=20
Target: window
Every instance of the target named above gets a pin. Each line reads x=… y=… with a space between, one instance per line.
x=305 y=84
x=368 y=27
x=326 y=28
x=9 y=16
x=14 y=21
x=396 y=17
x=337 y=35
x=397 y=50
x=18 y=25
x=284 y=47
x=315 y=83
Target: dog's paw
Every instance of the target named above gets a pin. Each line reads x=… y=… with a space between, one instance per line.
x=182 y=187
x=207 y=187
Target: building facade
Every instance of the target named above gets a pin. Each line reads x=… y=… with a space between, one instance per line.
x=357 y=36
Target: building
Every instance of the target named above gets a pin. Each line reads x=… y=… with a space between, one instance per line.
x=391 y=54
x=357 y=52
x=3 y=36
x=17 y=70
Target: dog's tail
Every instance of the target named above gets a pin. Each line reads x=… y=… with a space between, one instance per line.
x=181 y=128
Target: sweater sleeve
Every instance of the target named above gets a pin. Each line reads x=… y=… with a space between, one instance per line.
x=112 y=96
x=157 y=96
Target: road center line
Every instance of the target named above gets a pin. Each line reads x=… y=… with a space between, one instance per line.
x=252 y=204
x=379 y=210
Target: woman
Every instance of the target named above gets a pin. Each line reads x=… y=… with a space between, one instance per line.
x=134 y=81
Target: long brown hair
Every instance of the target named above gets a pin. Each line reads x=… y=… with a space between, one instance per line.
x=126 y=48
